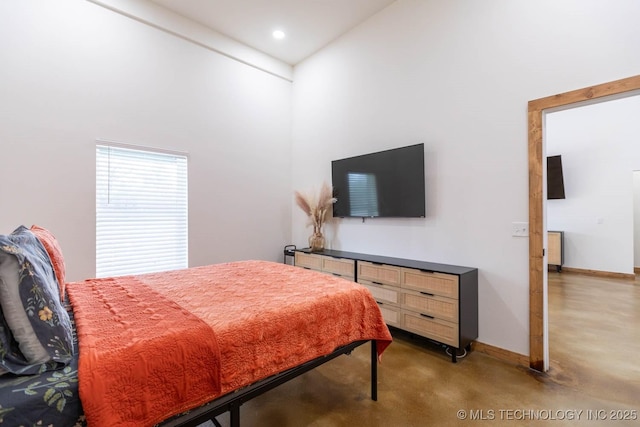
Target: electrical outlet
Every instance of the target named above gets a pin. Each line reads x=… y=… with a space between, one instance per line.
x=520 y=229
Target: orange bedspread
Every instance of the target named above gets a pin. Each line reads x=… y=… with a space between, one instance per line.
x=267 y=318
x=143 y=358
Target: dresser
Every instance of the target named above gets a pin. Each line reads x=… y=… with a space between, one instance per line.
x=555 y=242
x=435 y=301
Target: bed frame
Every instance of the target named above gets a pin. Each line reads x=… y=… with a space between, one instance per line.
x=231 y=402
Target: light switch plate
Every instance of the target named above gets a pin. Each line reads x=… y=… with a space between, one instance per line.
x=520 y=229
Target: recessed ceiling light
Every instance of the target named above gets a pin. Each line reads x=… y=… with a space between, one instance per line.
x=278 y=34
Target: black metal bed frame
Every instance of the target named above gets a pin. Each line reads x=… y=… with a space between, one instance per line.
x=231 y=402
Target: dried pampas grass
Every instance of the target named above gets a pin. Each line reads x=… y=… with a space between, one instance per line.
x=316 y=208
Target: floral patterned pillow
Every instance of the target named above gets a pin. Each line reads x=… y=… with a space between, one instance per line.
x=35 y=330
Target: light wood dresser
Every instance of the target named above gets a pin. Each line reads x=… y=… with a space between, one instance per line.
x=436 y=301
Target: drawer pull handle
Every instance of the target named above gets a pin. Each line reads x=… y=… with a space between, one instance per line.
x=336 y=274
x=427 y=271
x=307 y=268
x=376 y=263
x=427 y=294
x=376 y=283
x=379 y=303
x=427 y=316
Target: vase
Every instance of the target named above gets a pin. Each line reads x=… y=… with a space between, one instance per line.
x=316 y=241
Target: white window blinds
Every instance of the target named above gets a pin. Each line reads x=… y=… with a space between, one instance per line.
x=141 y=211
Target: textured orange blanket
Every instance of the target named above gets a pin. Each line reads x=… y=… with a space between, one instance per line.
x=267 y=318
x=142 y=357
x=270 y=317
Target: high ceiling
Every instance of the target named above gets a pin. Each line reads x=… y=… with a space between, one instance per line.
x=308 y=24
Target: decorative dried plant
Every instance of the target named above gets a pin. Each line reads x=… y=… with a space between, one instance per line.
x=316 y=207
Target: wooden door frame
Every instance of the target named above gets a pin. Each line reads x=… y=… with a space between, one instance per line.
x=536 y=214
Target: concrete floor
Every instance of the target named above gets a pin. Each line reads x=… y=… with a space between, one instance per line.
x=594 y=375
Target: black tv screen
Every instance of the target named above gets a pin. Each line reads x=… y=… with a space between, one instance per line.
x=388 y=183
x=555 y=180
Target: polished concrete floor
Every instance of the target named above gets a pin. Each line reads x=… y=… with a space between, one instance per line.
x=595 y=375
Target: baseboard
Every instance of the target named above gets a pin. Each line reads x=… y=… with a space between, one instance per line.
x=502 y=354
x=598 y=273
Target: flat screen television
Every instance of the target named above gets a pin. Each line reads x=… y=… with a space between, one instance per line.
x=388 y=183
x=555 y=179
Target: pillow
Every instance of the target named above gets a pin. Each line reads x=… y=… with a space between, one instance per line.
x=54 y=251
x=14 y=314
x=28 y=289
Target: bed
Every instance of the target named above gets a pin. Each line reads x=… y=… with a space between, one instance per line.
x=180 y=347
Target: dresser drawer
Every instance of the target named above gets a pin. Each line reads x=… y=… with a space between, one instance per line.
x=339 y=266
x=311 y=261
x=390 y=314
x=379 y=273
x=438 y=307
x=436 y=329
x=441 y=284
x=383 y=293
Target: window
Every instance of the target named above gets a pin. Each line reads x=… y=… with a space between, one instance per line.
x=141 y=210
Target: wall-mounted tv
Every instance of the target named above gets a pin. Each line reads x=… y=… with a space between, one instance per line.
x=555 y=179
x=388 y=183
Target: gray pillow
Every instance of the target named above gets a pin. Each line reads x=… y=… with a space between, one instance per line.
x=29 y=290
x=14 y=312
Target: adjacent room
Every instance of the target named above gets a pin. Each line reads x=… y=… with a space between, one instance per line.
x=222 y=113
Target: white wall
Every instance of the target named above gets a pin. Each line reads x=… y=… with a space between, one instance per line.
x=73 y=71
x=456 y=75
x=599 y=148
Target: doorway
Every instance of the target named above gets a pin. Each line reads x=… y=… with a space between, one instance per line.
x=538 y=332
